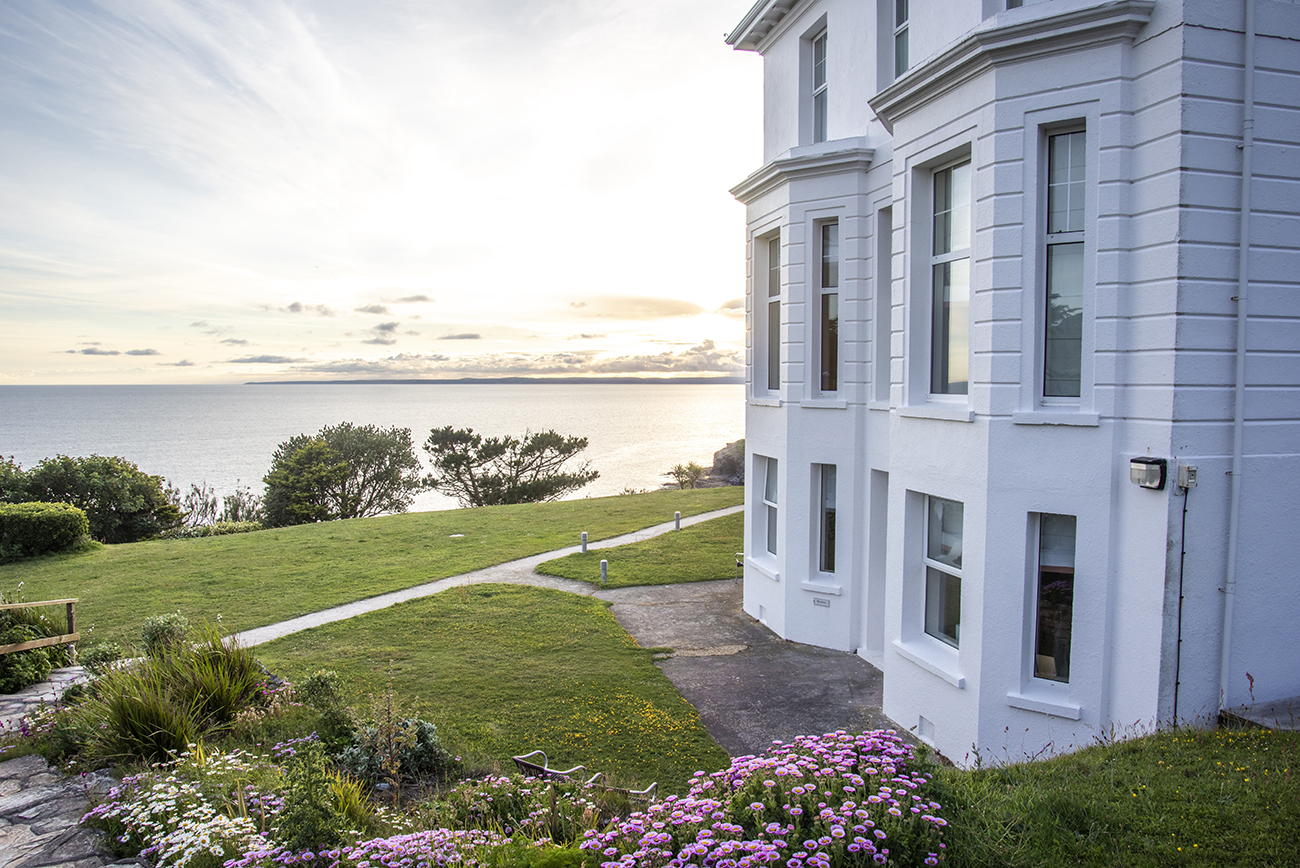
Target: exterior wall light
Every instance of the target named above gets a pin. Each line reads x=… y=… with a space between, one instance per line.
x=1148 y=472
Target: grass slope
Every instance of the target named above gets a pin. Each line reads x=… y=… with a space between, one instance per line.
x=261 y=578
x=1178 y=798
x=699 y=553
x=504 y=670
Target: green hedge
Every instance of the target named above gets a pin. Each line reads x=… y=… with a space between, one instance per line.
x=30 y=529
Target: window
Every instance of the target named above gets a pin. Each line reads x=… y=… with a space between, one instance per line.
x=900 y=37
x=950 y=276
x=769 y=502
x=819 y=96
x=884 y=309
x=943 y=536
x=773 y=282
x=826 y=524
x=1063 y=319
x=1055 y=603
x=830 y=307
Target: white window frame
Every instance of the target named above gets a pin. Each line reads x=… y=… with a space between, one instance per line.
x=944 y=568
x=828 y=273
x=826 y=477
x=953 y=255
x=1038 y=666
x=900 y=17
x=767 y=309
x=771 y=514
x=1049 y=240
x=820 y=95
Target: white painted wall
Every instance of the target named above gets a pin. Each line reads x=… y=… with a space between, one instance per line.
x=1161 y=247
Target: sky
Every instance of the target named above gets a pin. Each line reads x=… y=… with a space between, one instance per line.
x=217 y=191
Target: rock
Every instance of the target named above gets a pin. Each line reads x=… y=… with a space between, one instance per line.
x=729 y=463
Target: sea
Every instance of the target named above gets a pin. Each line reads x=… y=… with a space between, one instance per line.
x=225 y=435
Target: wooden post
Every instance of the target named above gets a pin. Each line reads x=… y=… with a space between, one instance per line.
x=72 y=616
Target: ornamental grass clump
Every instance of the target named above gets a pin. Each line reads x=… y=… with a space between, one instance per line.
x=831 y=801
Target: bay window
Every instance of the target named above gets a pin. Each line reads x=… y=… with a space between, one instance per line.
x=1063 y=254
x=950 y=280
x=829 y=333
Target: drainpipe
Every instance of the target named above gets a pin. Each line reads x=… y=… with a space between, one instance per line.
x=1238 y=421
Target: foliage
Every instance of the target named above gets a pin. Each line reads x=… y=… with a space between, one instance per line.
x=336 y=727
x=21 y=668
x=98 y=657
x=163 y=633
x=362 y=471
x=220 y=528
x=832 y=801
x=490 y=471
x=13 y=480
x=293 y=571
x=320 y=689
x=559 y=811
x=687 y=475
x=121 y=502
x=31 y=529
x=510 y=669
x=299 y=483
x=202 y=508
x=390 y=746
x=700 y=553
x=310 y=819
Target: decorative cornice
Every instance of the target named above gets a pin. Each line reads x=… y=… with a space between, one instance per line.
x=758 y=23
x=846 y=155
x=1021 y=34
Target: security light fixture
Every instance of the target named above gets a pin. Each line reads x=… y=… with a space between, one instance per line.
x=1148 y=472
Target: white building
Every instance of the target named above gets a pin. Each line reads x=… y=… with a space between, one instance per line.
x=995 y=256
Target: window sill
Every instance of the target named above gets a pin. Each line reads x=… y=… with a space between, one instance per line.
x=932 y=660
x=1034 y=701
x=820 y=588
x=824 y=403
x=1071 y=418
x=774 y=575
x=950 y=413
x=765 y=402
x=878 y=405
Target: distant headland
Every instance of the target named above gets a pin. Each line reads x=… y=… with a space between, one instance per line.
x=515 y=381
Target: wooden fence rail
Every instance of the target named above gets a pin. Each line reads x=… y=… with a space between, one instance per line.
x=71 y=636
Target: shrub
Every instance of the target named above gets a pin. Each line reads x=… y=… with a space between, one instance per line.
x=122 y=503
x=161 y=633
x=99 y=657
x=388 y=750
x=220 y=528
x=310 y=819
x=320 y=690
x=215 y=679
x=31 y=529
x=138 y=717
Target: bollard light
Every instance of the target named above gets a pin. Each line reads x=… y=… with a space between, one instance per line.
x=604 y=572
x=677 y=520
x=584 y=541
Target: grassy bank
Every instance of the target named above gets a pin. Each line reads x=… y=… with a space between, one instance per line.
x=504 y=670
x=250 y=580
x=1177 y=798
x=700 y=553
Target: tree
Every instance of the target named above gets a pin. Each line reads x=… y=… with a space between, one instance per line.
x=299 y=486
x=687 y=475
x=382 y=473
x=480 y=471
x=122 y=502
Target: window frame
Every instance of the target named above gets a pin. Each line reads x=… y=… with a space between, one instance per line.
x=771 y=512
x=819 y=95
x=1047 y=242
x=767 y=312
x=829 y=343
x=1036 y=662
x=826 y=526
x=930 y=566
x=947 y=258
x=900 y=18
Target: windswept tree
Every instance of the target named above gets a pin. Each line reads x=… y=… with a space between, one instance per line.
x=487 y=471
x=380 y=474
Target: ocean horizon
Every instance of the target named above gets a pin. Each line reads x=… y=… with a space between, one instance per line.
x=224 y=435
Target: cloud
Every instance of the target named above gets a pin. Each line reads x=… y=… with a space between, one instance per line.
x=265 y=360
x=414 y=299
x=200 y=324
x=463 y=336
x=235 y=342
x=637 y=307
x=183 y=363
x=584 y=337
x=704 y=359
x=320 y=309
x=385 y=327
x=733 y=304
x=380 y=340
x=96 y=351
x=148 y=352
x=374 y=308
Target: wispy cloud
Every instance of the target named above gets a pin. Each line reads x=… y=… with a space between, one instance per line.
x=631 y=307
x=148 y=352
x=462 y=336
x=413 y=299
x=374 y=308
x=183 y=363
x=265 y=360
x=319 y=309
x=96 y=351
x=235 y=342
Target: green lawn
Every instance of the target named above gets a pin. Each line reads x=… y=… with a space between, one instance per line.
x=699 y=553
x=504 y=670
x=251 y=580
x=1177 y=798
